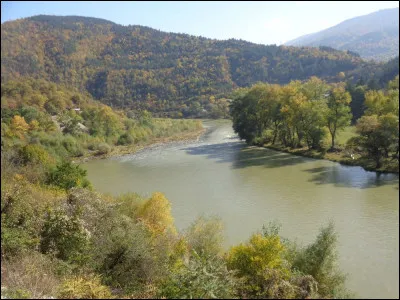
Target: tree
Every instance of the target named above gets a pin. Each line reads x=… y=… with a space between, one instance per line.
x=66 y=176
x=260 y=263
x=205 y=236
x=19 y=126
x=319 y=260
x=244 y=116
x=338 y=114
x=156 y=214
x=371 y=138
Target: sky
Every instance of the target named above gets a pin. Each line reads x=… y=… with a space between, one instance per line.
x=272 y=22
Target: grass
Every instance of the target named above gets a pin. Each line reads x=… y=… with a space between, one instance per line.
x=388 y=165
x=342 y=136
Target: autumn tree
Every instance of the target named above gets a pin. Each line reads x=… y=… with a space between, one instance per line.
x=338 y=114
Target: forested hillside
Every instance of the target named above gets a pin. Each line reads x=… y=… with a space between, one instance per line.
x=169 y=74
x=373 y=36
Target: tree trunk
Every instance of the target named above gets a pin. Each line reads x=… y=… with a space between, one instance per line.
x=378 y=162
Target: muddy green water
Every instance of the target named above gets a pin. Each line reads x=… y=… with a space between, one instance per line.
x=248 y=187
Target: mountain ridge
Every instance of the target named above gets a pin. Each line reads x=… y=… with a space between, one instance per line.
x=373 y=36
x=129 y=66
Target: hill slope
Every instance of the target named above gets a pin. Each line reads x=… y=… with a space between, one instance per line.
x=375 y=35
x=136 y=66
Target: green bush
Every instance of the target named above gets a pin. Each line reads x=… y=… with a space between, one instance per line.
x=319 y=260
x=64 y=236
x=205 y=236
x=36 y=154
x=66 y=176
x=122 y=251
x=200 y=278
x=125 y=139
x=103 y=148
x=72 y=146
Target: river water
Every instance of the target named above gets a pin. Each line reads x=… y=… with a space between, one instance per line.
x=250 y=186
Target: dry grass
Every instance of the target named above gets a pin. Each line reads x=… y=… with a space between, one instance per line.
x=32 y=275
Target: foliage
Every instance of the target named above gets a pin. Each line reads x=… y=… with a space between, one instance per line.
x=122 y=252
x=293 y=114
x=338 y=115
x=205 y=236
x=155 y=213
x=103 y=148
x=63 y=235
x=379 y=127
x=66 y=176
x=23 y=206
x=319 y=260
x=304 y=112
x=168 y=74
x=89 y=287
x=201 y=278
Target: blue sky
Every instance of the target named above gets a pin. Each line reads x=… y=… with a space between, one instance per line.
x=270 y=22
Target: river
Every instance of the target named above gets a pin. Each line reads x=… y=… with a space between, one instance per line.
x=250 y=186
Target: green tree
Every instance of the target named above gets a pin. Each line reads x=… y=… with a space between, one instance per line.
x=319 y=260
x=67 y=175
x=338 y=114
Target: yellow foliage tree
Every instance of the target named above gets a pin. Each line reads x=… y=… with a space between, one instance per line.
x=34 y=125
x=156 y=214
x=259 y=254
x=19 y=126
x=261 y=265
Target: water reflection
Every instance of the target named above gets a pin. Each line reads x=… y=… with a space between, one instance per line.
x=242 y=156
x=350 y=176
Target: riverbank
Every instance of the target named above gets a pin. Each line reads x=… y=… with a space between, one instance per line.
x=131 y=149
x=388 y=165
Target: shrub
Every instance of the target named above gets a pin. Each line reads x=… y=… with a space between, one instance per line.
x=70 y=144
x=66 y=176
x=125 y=139
x=200 y=278
x=319 y=260
x=261 y=265
x=103 y=148
x=64 y=236
x=36 y=154
x=205 y=236
x=22 y=208
x=88 y=287
x=122 y=251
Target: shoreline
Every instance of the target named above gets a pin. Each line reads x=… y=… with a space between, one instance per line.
x=334 y=157
x=118 y=151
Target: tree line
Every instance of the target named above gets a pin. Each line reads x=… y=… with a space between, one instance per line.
x=302 y=113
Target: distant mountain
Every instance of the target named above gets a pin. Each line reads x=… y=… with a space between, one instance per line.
x=373 y=36
x=167 y=73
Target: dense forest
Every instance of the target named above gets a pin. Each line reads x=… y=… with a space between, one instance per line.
x=169 y=74
x=302 y=114
x=373 y=36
